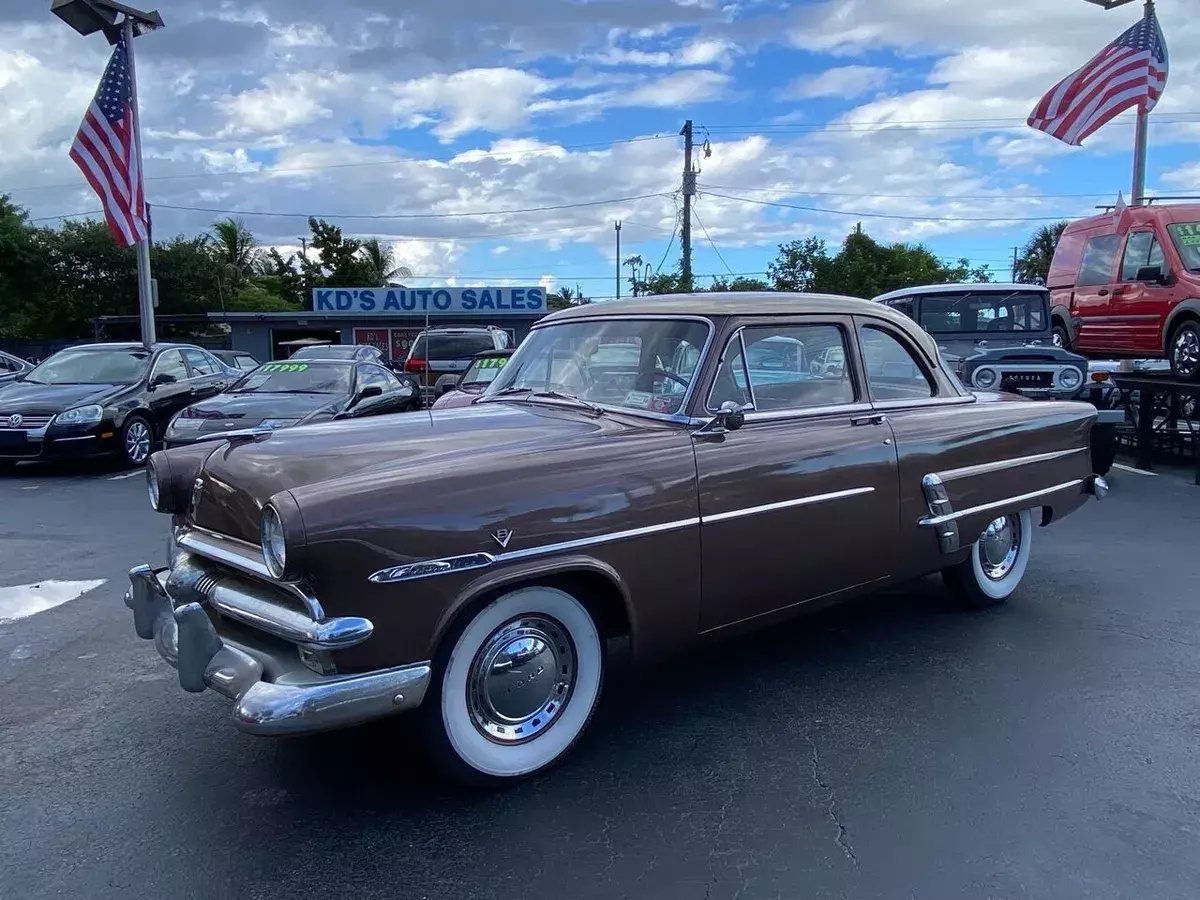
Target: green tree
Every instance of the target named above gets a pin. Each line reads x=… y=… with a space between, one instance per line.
x=795 y=268
x=91 y=276
x=234 y=248
x=740 y=283
x=564 y=298
x=380 y=260
x=1033 y=265
x=339 y=262
x=25 y=275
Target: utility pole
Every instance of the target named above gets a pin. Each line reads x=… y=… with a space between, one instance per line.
x=689 y=191
x=618 y=228
x=1014 y=265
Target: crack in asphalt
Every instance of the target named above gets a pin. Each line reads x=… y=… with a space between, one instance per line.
x=830 y=802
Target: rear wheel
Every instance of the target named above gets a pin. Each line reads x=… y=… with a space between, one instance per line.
x=516 y=689
x=1183 y=350
x=996 y=564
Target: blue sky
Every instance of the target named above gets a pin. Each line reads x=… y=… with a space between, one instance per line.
x=897 y=108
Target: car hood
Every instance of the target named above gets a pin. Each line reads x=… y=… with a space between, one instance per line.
x=457 y=398
x=243 y=475
x=250 y=409
x=28 y=398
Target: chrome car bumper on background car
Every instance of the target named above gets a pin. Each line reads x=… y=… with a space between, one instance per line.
x=275 y=689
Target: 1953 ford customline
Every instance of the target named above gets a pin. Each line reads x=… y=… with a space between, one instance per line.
x=668 y=469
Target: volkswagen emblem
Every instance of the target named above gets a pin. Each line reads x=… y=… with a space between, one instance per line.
x=14 y=421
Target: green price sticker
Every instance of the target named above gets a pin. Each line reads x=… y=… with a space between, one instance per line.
x=1188 y=233
x=285 y=367
x=495 y=362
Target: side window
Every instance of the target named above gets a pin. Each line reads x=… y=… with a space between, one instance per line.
x=1098 y=258
x=788 y=367
x=201 y=363
x=904 y=305
x=892 y=370
x=171 y=363
x=372 y=375
x=1141 y=249
x=7 y=365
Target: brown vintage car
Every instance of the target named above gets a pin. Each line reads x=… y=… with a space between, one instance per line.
x=667 y=469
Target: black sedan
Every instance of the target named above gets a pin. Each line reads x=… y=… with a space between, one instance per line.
x=12 y=366
x=103 y=400
x=282 y=394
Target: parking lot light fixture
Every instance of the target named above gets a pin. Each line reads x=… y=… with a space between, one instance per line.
x=89 y=16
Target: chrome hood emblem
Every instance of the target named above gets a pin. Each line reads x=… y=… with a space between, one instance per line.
x=502 y=537
x=14 y=421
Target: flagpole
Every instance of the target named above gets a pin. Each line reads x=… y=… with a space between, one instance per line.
x=145 y=289
x=1141 y=137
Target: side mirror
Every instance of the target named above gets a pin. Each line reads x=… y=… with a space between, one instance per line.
x=163 y=378
x=731 y=416
x=1151 y=274
x=371 y=390
x=447 y=387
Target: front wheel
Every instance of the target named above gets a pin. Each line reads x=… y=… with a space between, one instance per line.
x=517 y=688
x=996 y=564
x=136 y=441
x=1061 y=338
x=1184 y=351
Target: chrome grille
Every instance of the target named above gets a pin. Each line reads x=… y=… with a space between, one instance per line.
x=25 y=422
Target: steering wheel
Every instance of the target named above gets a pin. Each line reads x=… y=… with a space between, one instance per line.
x=678 y=379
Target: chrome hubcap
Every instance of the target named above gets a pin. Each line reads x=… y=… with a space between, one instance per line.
x=521 y=679
x=1057 y=339
x=1186 y=352
x=137 y=442
x=999 y=546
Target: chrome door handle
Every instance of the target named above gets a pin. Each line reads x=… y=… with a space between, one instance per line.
x=873 y=419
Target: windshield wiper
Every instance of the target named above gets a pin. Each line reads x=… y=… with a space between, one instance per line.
x=556 y=395
x=509 y=391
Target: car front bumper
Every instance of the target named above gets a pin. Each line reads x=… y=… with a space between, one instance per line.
x=269 y=699
x=53 y=443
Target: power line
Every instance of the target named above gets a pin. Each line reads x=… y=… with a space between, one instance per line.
x=358 y=165
x=671 y=242
x=711 y=242
x=966 y=121
x=799 y=191
x=871 y=215
x=998 y=124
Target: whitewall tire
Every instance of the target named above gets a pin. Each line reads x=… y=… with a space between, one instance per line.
x=517 y=688
x=996 y=564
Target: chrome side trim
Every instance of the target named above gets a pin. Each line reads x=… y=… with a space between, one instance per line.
x=1015 y=462
x=937 y=498
x=809 y=412
x=1008 y=502
x=450 y=564
x=785 y=504
x=931 y=401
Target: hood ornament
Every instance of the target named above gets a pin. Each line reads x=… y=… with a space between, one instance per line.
x=502 y=537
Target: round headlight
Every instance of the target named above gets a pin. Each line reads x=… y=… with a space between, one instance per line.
x=274 y=544
x=1070 y=378
x=985 y=378
x=152 y=486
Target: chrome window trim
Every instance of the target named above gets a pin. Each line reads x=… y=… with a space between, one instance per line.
x=432 y=568
x=741 y=336
x=923 y=404
x=680 y=417
x=807 y=412
x=1007 y=502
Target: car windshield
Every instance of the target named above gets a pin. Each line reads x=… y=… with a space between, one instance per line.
x=92 y=367
x=635 y=364
x=985 y=311
x=324 y=351
x=1186 y=236
x=297 y=378
x=484 y=370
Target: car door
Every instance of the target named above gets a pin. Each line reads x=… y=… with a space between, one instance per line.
x=208 y=376
x=1139 y=307
x=798 y=503
x=1091 y=308
x=170 y=388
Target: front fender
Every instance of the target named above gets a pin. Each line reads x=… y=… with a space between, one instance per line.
x=1191 y=307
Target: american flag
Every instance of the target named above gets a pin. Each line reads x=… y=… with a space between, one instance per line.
x=106 y=150
x=1129 y=72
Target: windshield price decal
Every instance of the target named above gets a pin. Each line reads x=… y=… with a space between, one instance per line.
x=496 y=362
x=284 y=367
x=1189 y=234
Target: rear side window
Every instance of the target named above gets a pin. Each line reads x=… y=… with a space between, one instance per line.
x=892 y=370
x=201 y=363
x=1098 y=258
x=1141 y=249
x=904 y=306
x=451 y=346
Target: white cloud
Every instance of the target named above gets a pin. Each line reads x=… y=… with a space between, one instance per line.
x=844 y=81
x=1184 y=178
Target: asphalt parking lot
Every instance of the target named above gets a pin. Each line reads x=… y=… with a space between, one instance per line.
x=893 y=748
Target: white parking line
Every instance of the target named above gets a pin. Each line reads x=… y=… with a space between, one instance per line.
x=1125 y=468
x=133 y=474
x=25 y=600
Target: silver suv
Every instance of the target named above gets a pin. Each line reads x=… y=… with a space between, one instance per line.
x=445 y=352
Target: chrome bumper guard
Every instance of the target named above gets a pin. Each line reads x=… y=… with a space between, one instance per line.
x=301 y=703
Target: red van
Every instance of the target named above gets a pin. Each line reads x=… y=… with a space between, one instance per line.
x=1127 y=285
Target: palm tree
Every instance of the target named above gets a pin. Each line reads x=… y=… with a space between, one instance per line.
x=235 y=247
x=1033 y=266
x=381 y=262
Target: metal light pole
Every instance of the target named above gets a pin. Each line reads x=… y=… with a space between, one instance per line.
x=88 y=17
x=1142 y=128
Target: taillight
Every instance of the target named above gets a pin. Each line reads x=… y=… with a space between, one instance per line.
x=415 y=365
